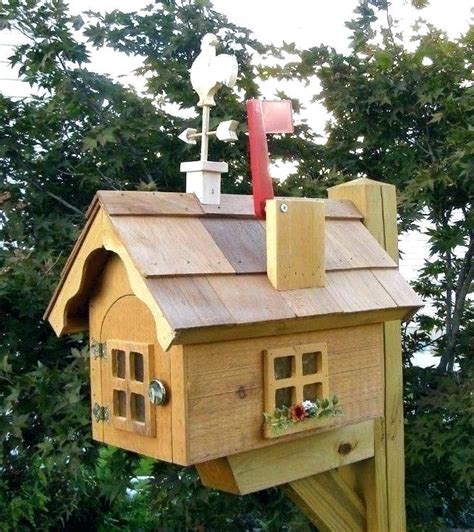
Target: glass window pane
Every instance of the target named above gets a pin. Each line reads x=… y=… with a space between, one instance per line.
x=118 y=363
x=312 y=363
x=137 y=405
x=283 y=367
x=120 y=403
x=136 y=365
x=314 y=391
x=284 y=397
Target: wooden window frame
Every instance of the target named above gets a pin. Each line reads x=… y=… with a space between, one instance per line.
x=297 y=379
x=130 y=386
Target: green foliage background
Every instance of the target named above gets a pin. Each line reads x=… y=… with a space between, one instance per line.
x=394 y=118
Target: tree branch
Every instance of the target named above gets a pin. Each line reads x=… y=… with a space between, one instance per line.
x=466 y=276
x=60 y=200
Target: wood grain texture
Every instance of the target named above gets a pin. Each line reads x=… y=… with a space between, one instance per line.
x=400 y=291
x=112 y=285
x=157 y=248
x=217 y=474
x=389 y=213
x=296 y=379
x=250 y=298
x=377 y=203
x=358 y=291
x=129 y=320
x=91 y=216
x=127 y=385
x=94 y=206
x=366 y=195
x=111 y=241
x=90 y=239
x=99 y=239
x=333 y=209
x=241 y=241
x=192 y=302
x=394 y=429
x=218 y=333
x=368 y=479
x=345 y=292
x=232 y=205
x=115 y=313
x=329 y=502
x=315 y=301
x=376 y=480
x=259 y=469
x=295 y=244
x=350 y=246
x=223 y=300
x=227 y=377
x=189 y=302
x=179 y=407
x=120 y=203
x=149 y=203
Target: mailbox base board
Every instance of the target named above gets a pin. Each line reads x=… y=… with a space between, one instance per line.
x=263 y=468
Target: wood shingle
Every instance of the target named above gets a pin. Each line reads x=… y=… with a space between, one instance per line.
x=205 y=266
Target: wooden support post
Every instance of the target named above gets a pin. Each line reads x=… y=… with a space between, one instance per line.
x=377 y=203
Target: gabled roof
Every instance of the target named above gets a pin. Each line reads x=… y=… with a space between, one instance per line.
x=203 y=268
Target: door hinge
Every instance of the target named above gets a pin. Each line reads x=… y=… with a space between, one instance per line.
x=98 y=349
x=101 y=413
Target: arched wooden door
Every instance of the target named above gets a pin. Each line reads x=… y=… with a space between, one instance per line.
x=131 y=357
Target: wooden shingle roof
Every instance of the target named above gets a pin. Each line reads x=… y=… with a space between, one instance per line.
x=205 y=266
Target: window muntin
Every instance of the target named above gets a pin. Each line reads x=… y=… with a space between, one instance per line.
x=125 y=379
x=295 y=374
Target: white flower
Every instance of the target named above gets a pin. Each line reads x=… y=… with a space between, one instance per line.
x=307 y=405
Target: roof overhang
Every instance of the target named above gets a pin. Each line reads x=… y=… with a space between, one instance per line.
x=201 y=270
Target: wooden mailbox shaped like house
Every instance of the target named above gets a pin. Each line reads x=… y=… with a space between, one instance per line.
x=173 y=290
x=235 y=317
x=264 y=353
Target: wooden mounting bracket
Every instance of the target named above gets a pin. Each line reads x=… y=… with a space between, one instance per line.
x=289 y=461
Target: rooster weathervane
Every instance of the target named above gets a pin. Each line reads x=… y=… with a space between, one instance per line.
x=209 y=72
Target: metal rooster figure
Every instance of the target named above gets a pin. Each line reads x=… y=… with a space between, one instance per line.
x=209 y=72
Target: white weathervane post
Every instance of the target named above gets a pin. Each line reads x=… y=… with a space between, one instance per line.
x=209 y=72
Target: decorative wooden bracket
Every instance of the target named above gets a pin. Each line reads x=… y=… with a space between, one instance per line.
x=90 y=254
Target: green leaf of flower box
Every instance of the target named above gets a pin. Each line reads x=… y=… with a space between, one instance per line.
x=318 y=414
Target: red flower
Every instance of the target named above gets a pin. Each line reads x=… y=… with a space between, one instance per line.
x=297 y=412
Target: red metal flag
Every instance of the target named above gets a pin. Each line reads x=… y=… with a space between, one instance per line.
x=264 y=117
